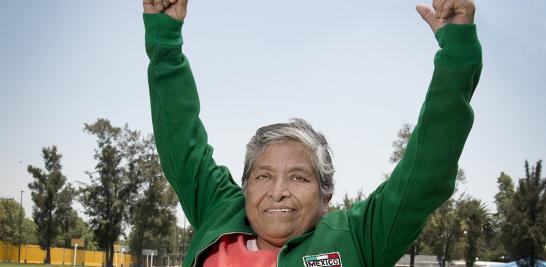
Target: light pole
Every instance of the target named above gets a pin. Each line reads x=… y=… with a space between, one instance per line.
x=178 y=249
x=20 y=222
x=184 y=238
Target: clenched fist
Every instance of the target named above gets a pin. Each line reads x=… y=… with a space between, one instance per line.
x=446 y=12
x=174 y=8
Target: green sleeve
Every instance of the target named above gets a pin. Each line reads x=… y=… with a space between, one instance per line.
x=392 y=217
x=181 y=139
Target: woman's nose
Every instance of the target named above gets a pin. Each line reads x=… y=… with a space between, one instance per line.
x=280 y=190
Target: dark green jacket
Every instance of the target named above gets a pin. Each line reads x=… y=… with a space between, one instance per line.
x=374 y=232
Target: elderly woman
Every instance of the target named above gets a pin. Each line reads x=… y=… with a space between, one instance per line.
x=278 y=217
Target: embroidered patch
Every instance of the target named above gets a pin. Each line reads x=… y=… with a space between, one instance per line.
x=331 y=259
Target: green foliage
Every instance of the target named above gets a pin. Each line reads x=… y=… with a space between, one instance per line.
x=114 y=183
x=506 y=192
x=185 y=238
x=476 y=224
x=442 y=232
x=152 y=215
x=80 y=230
x=522 y=214
x=10 y=211
x=400 y=144
x=347 y=201
x=128 y=189
x=503 y=200
x=52 y=198
x=29 y=232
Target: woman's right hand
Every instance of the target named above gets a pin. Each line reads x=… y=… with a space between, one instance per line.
x=174 y=8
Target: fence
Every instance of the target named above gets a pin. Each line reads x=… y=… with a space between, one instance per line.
x=60 y=256
x=431 y=261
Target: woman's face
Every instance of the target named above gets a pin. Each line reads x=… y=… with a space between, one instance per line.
x=283 y=198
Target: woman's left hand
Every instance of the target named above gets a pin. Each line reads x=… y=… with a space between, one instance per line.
x=446 y=12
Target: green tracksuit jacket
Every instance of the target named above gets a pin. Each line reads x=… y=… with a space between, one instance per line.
x=374 y=232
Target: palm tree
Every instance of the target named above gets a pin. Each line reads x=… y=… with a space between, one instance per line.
x=476 y=226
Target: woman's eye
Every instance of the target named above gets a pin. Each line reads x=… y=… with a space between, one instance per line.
x=299 y=178
x=262 y=177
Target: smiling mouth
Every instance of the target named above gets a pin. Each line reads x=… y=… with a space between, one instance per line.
x=278 y=211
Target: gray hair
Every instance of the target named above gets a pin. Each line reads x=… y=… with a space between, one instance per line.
x=297 y=130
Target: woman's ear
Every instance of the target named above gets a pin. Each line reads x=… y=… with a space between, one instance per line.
x=326 y=202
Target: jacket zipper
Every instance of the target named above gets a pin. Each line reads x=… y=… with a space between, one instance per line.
x=214 y=241
x=278 y=255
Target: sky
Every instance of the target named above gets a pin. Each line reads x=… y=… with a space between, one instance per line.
x=356 y=70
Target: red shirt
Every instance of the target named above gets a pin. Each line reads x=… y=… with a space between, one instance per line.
x=232 y=251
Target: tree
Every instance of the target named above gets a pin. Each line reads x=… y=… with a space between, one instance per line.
x=29 y=232
x=52 y=198
x=400 y=144
x=503 y=198
x=187 y=236
x=476 y=226
x=80 y=230
x=503 y=201
x=113 y=184
x=9 y=220
x=524 y=215
x=153 y=213
x=9 y=223
x=441 y=235
x=347 y=201
x=442 y=232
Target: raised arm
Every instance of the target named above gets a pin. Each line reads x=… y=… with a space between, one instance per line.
x=181 y=139
x=392 y=217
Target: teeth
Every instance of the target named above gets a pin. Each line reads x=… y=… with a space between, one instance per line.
x=279 y=210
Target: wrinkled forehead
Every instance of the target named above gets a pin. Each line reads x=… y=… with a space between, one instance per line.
x=286 y=153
